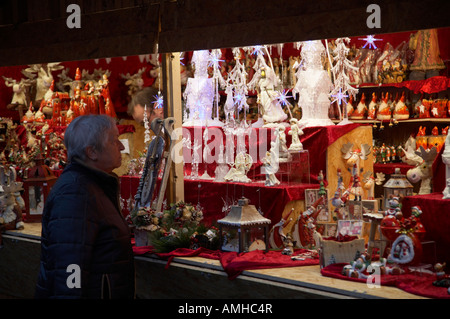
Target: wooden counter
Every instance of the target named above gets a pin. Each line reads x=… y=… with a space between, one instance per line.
x=188 y=277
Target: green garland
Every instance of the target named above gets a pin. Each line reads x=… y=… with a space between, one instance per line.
x=180 y=227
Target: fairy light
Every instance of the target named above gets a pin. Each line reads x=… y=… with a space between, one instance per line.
x=340 y=97
x=159 y=101
x=370 y=40
x=282 y=98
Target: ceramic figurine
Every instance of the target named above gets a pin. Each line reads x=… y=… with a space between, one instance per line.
x=370 y=181
x=295 y=132
x=270 y=168
x=423 y=172
x=349 y=106
x=239 y=169
x=353 y=158
x=29 y=115
x=424 y=108
x=134 y=82
x=19 y=90
x=44 y=77
x=384 y=111
x=401 y=111
x=361 y=109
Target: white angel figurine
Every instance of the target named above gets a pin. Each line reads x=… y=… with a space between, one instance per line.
x=295 y=132
x=270 y=168
x=238 y=171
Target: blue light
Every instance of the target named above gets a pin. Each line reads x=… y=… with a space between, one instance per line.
x=370 y=40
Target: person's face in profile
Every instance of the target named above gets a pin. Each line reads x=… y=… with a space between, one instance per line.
x=110 y=157
x=139 y=113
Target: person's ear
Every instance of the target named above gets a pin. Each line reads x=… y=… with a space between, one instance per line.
x=91 y=153
x=159 y=112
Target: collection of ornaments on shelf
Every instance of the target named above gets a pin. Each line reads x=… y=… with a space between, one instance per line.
x=313 y=85
x=52 y=105
x=12 y=204
x=389 y=109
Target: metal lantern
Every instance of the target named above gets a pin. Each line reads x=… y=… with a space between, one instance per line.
x=245 y=228
x=37 y=186
x=397 y=185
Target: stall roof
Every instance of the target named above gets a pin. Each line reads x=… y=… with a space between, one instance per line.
x=35 y=31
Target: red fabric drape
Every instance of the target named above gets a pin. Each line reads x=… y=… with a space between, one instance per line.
x=235 y=263
x=414 y=283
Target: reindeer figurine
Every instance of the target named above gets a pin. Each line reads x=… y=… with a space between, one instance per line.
x=134 y=82
x=423 y=171
x=353 y=158
x=44 y=77
x=369 y=183
x=20 y=90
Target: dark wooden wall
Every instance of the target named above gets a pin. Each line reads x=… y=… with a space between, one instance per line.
x=34 y=31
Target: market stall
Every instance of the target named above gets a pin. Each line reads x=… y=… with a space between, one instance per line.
x=309 y=134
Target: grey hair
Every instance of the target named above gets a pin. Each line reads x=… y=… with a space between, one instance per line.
x=144 y=97
x=85 y=131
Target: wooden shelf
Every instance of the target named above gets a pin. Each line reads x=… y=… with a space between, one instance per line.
x=415 y=120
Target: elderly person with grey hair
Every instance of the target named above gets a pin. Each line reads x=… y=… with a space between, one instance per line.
x=86 y=249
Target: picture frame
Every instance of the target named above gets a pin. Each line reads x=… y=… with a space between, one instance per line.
x=350 y=227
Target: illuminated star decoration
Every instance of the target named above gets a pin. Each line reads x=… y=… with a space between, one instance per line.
x=214 y=62
x=238 y=99
x=282 y=98
x=370 y=40
x=339 y=97
x=159 y=101
x=258 y=49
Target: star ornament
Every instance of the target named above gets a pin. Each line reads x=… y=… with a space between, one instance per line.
x=340 y=97
x=214 y=61
x=370 y=40
x=282 y=98
x=159 y=101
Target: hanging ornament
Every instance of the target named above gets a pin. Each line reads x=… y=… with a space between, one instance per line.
x=370 y=41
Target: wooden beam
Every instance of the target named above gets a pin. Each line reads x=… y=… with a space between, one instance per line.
x=173 y=108
x=122 y=32
x=209 y=24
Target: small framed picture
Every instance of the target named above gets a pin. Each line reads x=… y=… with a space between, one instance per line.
x=311 y=196
x=330 y=230
x=350 y=227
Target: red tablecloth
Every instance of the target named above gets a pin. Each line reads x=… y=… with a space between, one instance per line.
x=414 y=283
x=235 y=263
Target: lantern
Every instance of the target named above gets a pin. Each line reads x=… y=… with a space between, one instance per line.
x=37 y=186
x=245 y=229
x=398 y=185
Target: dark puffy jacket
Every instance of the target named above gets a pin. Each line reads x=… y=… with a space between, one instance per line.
x=82 y=226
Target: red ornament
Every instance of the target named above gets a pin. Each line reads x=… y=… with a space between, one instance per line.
x=389 y=227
